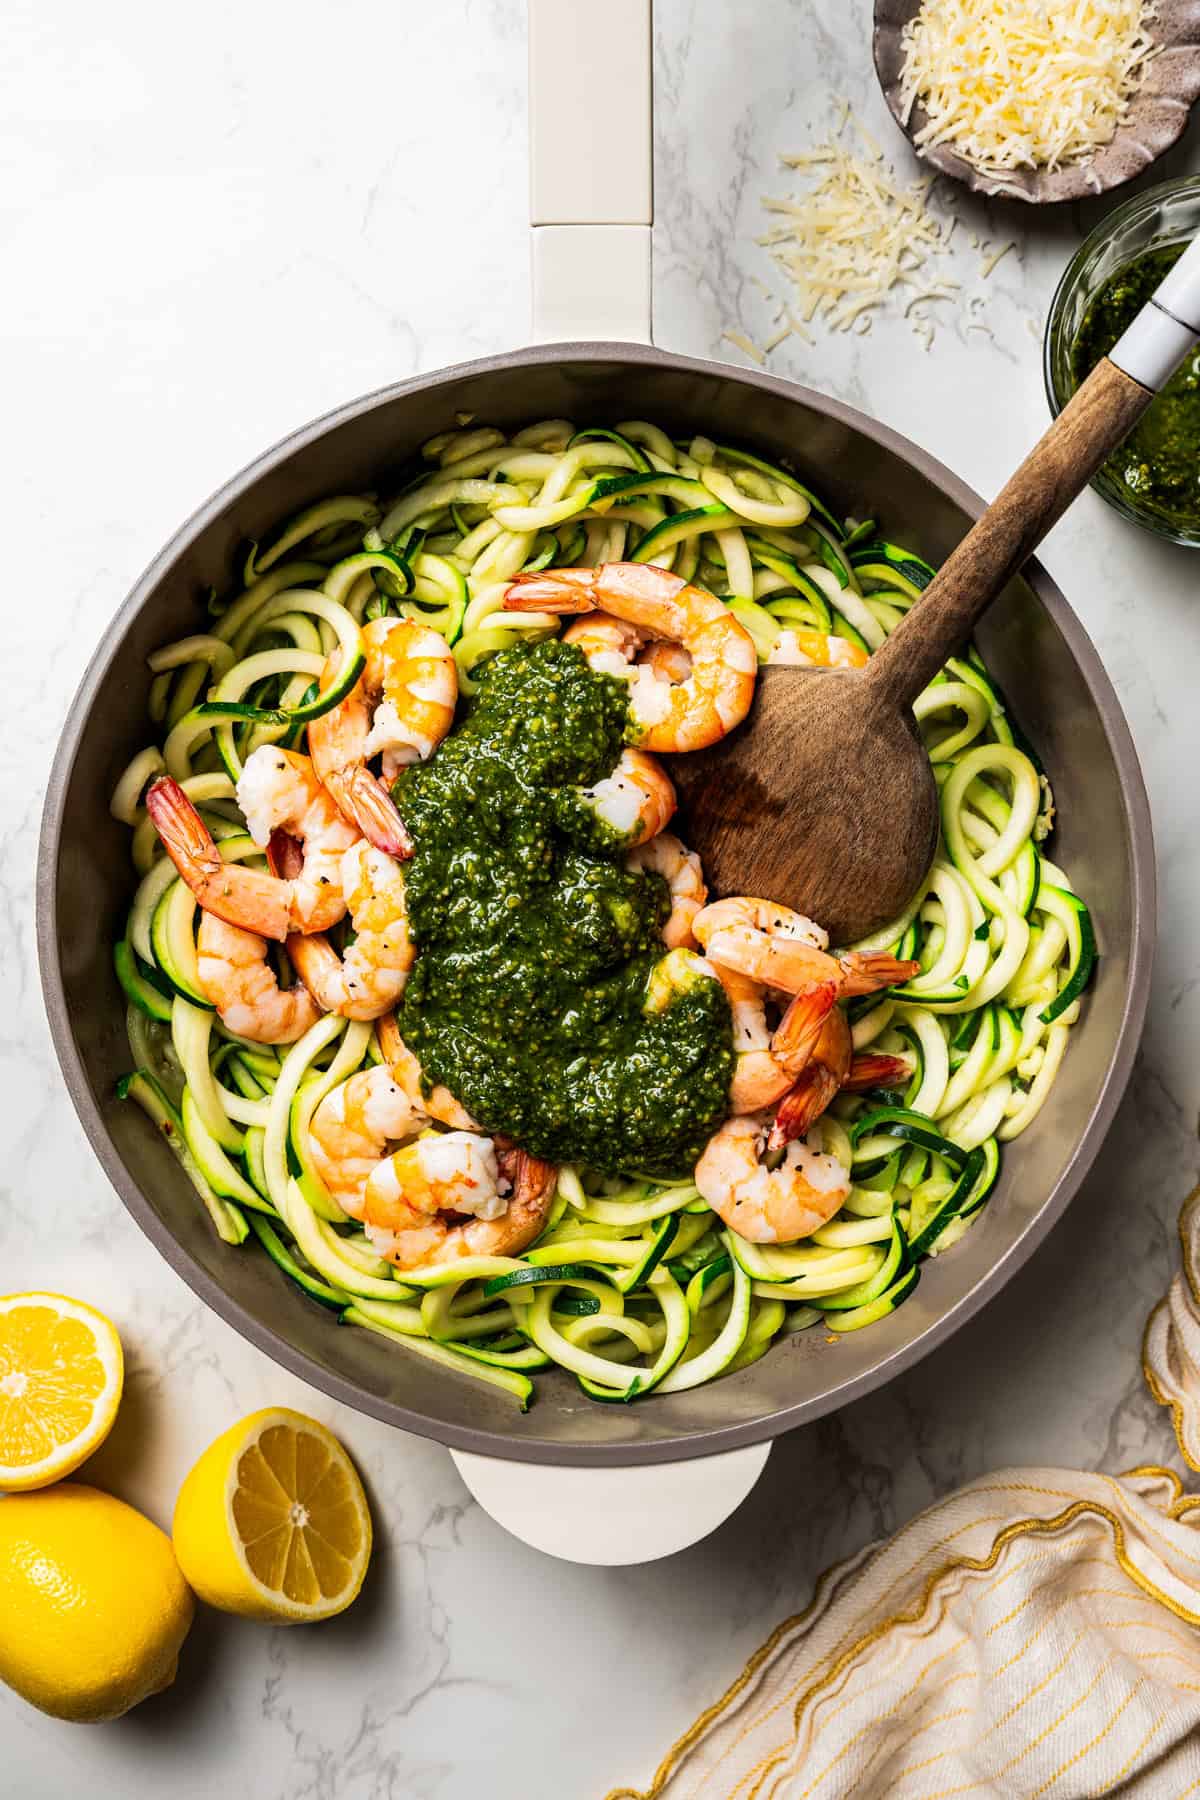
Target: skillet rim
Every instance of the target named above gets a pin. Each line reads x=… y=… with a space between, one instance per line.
x=703 y=1442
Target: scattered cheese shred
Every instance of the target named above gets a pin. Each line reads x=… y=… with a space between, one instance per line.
x=848 y=241
x=1024 y=84
x=995 y=257
x=746 y=345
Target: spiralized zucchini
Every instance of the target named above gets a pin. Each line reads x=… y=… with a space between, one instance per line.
x=634 y=1284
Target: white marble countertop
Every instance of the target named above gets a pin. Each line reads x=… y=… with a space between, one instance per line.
x=217 y=224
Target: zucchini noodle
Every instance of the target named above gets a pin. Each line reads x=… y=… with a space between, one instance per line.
x=634 y=1284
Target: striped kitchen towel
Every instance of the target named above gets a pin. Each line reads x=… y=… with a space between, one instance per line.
x=1033 y=1634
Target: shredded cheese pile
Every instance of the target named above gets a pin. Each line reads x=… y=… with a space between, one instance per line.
x=1024 y=84
x=846 y=243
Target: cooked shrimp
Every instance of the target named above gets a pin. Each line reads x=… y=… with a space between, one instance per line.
x=769 y=1206
x=236 y=976
x=369 y=977
x=636 y=800
x=768 y=1063
x=680 y=869
x=609 y=644
x=816 y=649
x=614 y=647
x=868 y=1071
x=820 y=1080
x=277 y=791
x=410 y=1200
x=771 y=944
x=439 y=1103
x=861 y=973
x=666 y=662
x=401 y=709
x=782 y=949
x=352 y=1128
x=720 y=686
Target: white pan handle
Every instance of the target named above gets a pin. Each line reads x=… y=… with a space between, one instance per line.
x=1159 y=338
x=591 y=206
x=610 y=1517
x=591 y=173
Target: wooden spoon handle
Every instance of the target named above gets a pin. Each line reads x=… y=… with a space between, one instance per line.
x=1059 y=467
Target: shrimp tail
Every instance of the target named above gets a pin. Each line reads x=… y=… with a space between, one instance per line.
x=803 y=1105
x=376 y=817
x=798 y=1032
x=284 y=855
x=868 y=1072
x=185 y=837
x=554 y=590
x=238 y=895
x=531 y=1176
x=866 y=974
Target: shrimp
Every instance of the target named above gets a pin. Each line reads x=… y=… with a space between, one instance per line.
x=720 y=686
x=769 y=1206
x=635 y=801
x=410 y=1200
x=616 y=648
x=609 y=644
x=352 y=1128
x=666 y=662
x=402 y=707
x=821 y=1079
x=236 y=976
x=782 y=949
x=277 y=790
x=369 y=978
x=816 y=649
x=681 y=870
x=439 y=1103
x=768 y=1063
x=869 y=1071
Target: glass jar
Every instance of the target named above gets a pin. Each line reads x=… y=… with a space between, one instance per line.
x=1163 y=215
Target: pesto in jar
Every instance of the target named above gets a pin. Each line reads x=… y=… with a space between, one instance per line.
x=1158 y=465
x=535 y=941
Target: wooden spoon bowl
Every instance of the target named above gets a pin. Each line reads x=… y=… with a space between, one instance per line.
x=781 y=798
x=824 y=800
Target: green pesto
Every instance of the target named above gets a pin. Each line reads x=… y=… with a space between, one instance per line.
x=1158 y=465
x=536 y=942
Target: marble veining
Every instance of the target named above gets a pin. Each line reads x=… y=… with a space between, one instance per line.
x=215 y=227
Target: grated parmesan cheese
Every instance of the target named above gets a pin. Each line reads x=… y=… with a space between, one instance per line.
x=746 y=345
x=851 y=239
x=995 y=257
x=1021 y=84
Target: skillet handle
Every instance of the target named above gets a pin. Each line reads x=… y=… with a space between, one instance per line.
x=612 y=1517
x=591 y=178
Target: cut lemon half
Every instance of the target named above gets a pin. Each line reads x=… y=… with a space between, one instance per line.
x=272 y=1522
x=61 y=1374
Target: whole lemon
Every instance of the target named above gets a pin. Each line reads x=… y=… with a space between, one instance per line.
x=93 y=1608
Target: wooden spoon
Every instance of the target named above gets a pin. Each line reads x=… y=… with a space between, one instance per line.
x=824 y=799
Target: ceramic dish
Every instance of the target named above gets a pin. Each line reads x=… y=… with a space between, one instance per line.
x=1157 y=119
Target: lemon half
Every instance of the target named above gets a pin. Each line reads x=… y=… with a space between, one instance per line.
x=272 y=1522
x=61 y=1374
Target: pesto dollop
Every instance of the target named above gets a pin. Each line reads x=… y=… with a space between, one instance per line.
x=535 y=941
x=1158 y=465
